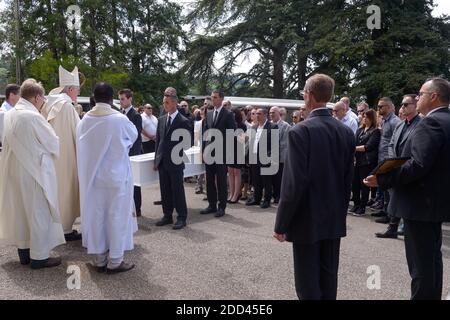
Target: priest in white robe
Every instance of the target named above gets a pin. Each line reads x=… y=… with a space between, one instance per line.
x=29 y=214
x=63 y=117
x=108 y=218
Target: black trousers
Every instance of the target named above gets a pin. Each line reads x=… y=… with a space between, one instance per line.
x=216 y=185
x=261 y=182
x=171 y=184
x=137 y=198
x=277 y=182
x=359 y=190
x=148 y=147
x=316 y=270
x=423 y=242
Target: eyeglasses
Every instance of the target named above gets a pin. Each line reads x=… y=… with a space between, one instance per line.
x=381 y=106
x=294 y=117
x=407 y=104
x=420 y=94
x=184 y=106
x=361 y=111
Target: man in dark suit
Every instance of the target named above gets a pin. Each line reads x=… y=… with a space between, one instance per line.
x=126 y=103
x=222 y=120
x=315 y=193
x=170 y=172
x=421 y=190
x=401 y=145
x=263 y=133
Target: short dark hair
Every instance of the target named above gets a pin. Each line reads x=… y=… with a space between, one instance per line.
x=442 y=87
x=220 y=92
x=237 y=114
x=103 y=93
x=11 y=88
x=127 y=92
x=412 y=96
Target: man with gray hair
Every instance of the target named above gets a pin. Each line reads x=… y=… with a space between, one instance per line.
x=315 y=193
x=283 y=113
x=29 y=208
x=349 y=112
x=283 y=130
x=420 y=190
x=62 y=116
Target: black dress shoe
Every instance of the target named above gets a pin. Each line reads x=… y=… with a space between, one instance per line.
x=208 y=210
x=138 y=213
x=74 y=236
x=360 y=212
x=252 y=203
x=180 y=224
x=48 y=263
x=124 y=267
x=101 y=269
x=371 y=202
x=164 y=222
x=379 y=214
x=353 y=210
x=391 y=233
x=24 y=256
x=383 y=220
x=265 y=205
x=276 y=201
x=220 y=213
x=157 y=203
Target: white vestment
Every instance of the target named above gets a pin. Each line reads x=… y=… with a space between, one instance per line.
x=2 y=118
x=29 y=213
x=61 y=115
x=108 y=222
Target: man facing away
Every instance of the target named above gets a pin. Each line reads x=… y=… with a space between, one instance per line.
x=108 y=221
x=315 y=193
x=62 y=116
x=29 y=214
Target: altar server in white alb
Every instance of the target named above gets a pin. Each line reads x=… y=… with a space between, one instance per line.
x=61 y=114
x=108 y=217
x=29 y=214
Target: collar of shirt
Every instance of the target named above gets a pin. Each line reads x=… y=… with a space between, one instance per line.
x=390 y=115
x=103 y=105
x=262 y=127
x=128 y=109
x=408 y=123
x=6 y=106
x=173 y=115
x=433 y=111
x=322 y=108
x=218 y=109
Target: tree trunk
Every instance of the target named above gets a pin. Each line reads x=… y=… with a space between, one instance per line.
x=278 y=73
x=302 y=61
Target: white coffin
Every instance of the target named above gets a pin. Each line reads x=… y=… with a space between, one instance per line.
x=144 y=175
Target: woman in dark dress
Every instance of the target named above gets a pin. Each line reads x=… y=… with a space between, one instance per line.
x=234 y=170
x=367 y=141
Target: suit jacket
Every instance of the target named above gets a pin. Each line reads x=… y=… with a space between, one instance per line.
x=136 y=118
x=225 y=121
x=370 y=140
x=164 y=143
x=396 y=143
x=421 y=185
x=387 y=131
x=284 y=128
x=266 y=134
x=317 y=179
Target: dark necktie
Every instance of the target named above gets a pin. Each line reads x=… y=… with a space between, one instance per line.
x=169 y=123
x=216 y=113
